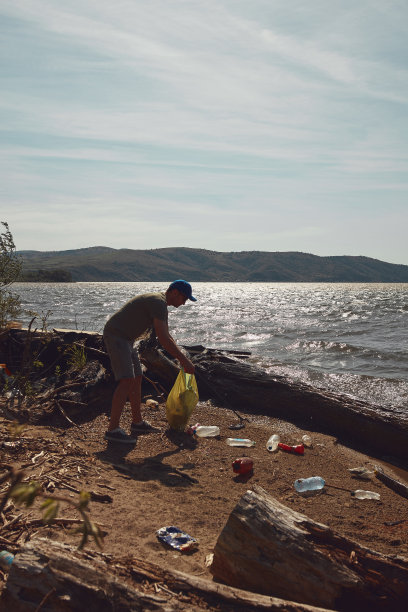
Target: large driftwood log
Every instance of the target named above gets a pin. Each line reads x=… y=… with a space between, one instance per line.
x=54 y=577
x=268 y=548
x=243 y=386
x=237 y=384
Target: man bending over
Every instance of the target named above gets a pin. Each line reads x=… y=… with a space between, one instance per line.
x=121 y=330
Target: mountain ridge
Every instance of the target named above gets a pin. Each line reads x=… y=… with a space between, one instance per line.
x=120 y=265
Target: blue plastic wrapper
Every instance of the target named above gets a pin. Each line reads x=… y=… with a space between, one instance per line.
x=176 y=538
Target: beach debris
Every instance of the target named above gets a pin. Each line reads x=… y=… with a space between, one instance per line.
x=361 y=472
x=307 y=441
x=207 y=431
x=6 y=559
x=5 y=372
x=309 y=486
x=176 y=538
x=272 y=443
x=11 y=446
x=394 y=484
x=240 y=442
x=394 y=523
x=240 y=425
x=296 y=450
x=209 y=559
x=360 y=494
x=243 y=465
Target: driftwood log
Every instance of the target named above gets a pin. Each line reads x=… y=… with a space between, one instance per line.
x=242 y=386
x=224 y=376
x=268 y=548
x=54 y=577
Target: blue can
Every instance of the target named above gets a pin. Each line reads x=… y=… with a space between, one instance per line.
x=6 y=559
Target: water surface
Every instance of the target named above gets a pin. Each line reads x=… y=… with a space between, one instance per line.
x=350 y=338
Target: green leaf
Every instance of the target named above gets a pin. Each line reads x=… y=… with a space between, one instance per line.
x=25 y=493
x=52 y=511
x=84 y=498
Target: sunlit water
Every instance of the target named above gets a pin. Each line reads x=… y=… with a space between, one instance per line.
x=350 y=338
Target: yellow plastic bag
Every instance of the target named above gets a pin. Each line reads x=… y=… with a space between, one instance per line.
x=182 y=400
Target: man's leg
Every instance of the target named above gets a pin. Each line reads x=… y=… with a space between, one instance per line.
x=120 y=353
x=135 y=398
x=122 y=392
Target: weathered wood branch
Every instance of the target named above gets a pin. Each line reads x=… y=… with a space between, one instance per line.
x=268 y=548
x=67 y=580
x=70 y=581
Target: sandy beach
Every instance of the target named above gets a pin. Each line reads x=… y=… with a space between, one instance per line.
x=172 y=479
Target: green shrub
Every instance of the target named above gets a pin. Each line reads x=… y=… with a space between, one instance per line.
x=10 y=272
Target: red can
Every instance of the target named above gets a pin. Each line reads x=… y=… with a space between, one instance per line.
x=297 y=450
x=243 y=465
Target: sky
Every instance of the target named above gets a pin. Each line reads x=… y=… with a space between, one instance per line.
x=228 y=125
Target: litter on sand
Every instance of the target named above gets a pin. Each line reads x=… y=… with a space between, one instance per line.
x=176 y=538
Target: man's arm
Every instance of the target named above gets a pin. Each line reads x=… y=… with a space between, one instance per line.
x=162 y=332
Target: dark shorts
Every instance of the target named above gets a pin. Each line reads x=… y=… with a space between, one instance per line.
x=124 y=358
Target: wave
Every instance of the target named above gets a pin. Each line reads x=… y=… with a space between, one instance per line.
x=387 y=393
x=344 y=348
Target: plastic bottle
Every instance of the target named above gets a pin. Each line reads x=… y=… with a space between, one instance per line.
x=243 y=465
x=307 y=441
x=6 y=559
x=207 y=431
x=272 y=443
x=240 y=442
x=297 y=450
x=360 y=494
x=309 y=485
x=361 y=472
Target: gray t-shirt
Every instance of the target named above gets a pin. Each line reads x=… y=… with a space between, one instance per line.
x=136 y=316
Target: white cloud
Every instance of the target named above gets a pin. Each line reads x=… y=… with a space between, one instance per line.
x=172 y=114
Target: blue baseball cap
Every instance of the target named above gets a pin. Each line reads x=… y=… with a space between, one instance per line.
x=184 y=287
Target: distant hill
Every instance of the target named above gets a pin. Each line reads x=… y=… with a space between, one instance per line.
x=106 y=264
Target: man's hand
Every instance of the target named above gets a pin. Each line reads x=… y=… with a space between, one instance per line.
x=188 y=365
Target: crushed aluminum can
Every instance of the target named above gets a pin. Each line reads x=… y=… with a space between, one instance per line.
x=176 y=538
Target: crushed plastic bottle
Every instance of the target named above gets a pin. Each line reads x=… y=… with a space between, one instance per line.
x=360 y=494
x=240 y=442
x=361 y=472
x=6 y=559
x=307 y=441
x=309 y=486
x=207 y=431
x=243 y=465
x=272 y=443
x=297 y=450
